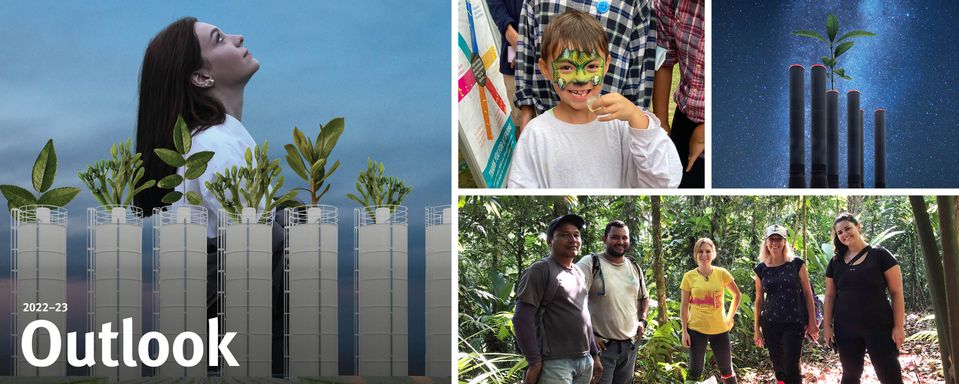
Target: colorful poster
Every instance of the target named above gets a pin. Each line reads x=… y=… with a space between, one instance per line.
x=486 y=129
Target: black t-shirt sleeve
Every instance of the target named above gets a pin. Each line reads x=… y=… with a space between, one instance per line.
x=798 y=263
x=831 y=268
x=759 y=270
x=886 y=259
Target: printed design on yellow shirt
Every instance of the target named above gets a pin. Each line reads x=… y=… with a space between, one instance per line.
x=711 y=299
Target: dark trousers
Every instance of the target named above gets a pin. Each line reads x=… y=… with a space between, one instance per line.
x=784 y=342
x=853 y=344
x=722 y=351
x=212 y=299
x=681 y=130
x=619 y=362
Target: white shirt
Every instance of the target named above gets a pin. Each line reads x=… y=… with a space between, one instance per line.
x=615 y=315
x=555 y=154
x=229 y=142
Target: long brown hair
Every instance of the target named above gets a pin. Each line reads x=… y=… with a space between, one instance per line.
x=167 y=91
x=838 y=247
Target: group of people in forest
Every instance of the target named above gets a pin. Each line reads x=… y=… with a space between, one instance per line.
x=580 y=321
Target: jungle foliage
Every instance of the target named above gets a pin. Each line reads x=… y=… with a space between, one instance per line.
x=499 y=236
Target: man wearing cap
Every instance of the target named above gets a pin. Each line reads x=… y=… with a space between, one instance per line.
x=618 y=302
x=553 y=328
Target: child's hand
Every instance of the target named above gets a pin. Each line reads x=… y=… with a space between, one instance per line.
x=613 y=106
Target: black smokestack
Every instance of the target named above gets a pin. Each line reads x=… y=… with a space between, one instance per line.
x=853 y=157
x=797 y=127
x=818 y=116
x=862 y=148
x=832 y=137
x=880 y=142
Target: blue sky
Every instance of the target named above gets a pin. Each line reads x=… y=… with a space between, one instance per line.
x=907 y=69
x=70 y=72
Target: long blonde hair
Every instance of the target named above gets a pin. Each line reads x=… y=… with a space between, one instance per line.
x=765 y=256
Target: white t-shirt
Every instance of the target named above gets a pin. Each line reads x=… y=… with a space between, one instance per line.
x=554 y=154
x=615 y=314
x=229 y=142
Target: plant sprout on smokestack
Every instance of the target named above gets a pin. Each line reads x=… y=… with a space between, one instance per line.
x=836 y=47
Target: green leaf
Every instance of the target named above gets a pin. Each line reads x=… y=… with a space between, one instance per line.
x=845 y=77
x=193 y=172
x=170 y=157
x=295 y=162
x=171 y=197
x=181 y=136
x=45 y=167
x=171 y=181
x=809 y=33
x=148 y=184
x=59 y=197
x=333 y=168
x=840 y=71
x=17 y=197
x=199 y=158
x=316 y=170
x=856 y=33
x=329 y=135
x=842 y=48
x=832 y=26
x=193 y=198
x=827 y=61
x=306 y=148
x=325 y=190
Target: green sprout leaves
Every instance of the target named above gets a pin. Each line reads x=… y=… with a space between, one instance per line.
x=377 y=189
x=308 y=159
x=109 y=180
x=257 y=182
x=17 y=197
x=45 y=168
x=195 y=164
x=837 y=47
x=44 y=171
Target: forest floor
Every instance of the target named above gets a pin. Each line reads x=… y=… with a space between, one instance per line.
x=920 y=360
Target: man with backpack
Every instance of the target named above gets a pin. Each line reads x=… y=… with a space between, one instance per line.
x=552 y=325
x=618 y=302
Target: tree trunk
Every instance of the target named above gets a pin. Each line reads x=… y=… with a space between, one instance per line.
x=854 y=205
x=804 y=228
x=934 y=276
x=660 y=266
x=591 y=224
x=950 y=266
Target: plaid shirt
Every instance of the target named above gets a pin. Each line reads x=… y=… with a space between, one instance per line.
x=682 y=34
x=631 y=25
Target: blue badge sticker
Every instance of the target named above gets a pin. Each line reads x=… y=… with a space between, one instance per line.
x=602 y=7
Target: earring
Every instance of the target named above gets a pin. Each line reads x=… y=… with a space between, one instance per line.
x=209 y=82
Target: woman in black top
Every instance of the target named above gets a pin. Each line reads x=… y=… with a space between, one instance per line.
x=858 y=316
x=784 y=309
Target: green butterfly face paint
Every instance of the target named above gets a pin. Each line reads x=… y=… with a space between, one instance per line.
x=575 y=66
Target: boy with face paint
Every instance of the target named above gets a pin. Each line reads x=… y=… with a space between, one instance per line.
x=589 y=140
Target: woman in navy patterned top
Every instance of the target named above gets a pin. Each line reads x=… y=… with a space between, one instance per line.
x=784 y=307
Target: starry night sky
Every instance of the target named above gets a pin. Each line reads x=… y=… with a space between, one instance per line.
x=909 y=69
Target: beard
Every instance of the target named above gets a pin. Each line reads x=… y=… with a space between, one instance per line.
x=614 y=253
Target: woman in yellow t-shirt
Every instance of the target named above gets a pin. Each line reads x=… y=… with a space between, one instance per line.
x=703 y=312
